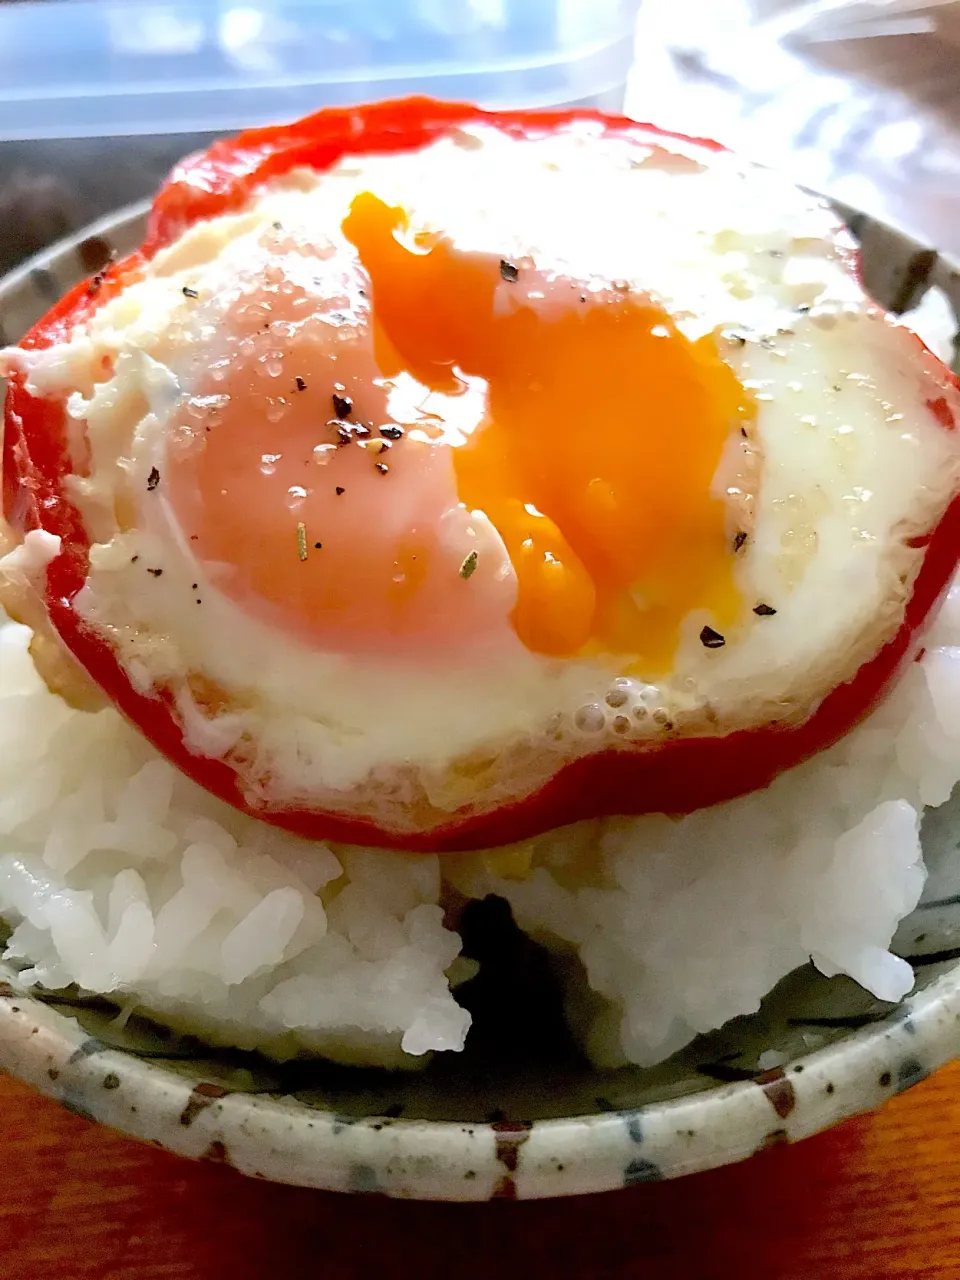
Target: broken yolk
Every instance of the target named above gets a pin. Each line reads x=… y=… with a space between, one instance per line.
x=602 y=437
x=366 y=405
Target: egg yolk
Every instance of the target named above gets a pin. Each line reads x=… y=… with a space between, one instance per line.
x=363 y=405
x=603 y=433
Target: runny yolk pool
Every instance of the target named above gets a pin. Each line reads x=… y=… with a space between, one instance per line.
x=579 y=419
x=603 y=432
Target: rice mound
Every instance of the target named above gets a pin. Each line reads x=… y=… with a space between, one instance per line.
x=127 y=879
x=124 y=877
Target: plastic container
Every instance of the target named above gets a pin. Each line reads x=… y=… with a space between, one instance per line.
x=94 y=68
x=99 y=98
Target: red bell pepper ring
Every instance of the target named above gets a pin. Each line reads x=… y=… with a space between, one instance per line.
x=676 y=776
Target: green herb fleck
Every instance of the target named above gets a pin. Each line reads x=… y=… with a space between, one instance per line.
x=302 y=540
x=469 y=566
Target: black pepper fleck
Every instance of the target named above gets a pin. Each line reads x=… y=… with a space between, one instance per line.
x=739 y=538
x=348 y=431
x=134 y=559
x=318 y=546
x=189 y=293
x=342 y=405
x=509 y=271
x=392 y=432
x=155 y=572
x=153 y=479
x=340 y=489
x=764 y=610
x=301 y=385
x=711 y=639
x=382 y=467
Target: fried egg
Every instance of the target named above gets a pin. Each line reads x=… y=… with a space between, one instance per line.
x=412 y=480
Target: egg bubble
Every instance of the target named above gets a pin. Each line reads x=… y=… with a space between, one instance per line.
x=625 y=705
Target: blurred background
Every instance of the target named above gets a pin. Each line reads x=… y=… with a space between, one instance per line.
x=858 y=98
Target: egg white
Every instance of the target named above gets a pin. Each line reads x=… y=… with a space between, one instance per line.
x=852 y=463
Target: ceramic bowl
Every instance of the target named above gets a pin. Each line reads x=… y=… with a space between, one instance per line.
x=519 y=1115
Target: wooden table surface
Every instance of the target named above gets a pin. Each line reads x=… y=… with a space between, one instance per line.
x=878 y=1197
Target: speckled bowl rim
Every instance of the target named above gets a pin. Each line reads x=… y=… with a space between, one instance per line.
x=285 y=1140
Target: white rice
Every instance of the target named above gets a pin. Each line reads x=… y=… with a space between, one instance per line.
x=697 y=919
x=127 y=878
x=120 y=875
